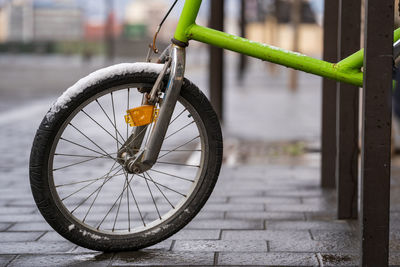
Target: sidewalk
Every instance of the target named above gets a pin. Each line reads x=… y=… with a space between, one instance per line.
x=267 y=208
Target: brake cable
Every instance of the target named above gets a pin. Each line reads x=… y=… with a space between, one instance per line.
x=152 y=47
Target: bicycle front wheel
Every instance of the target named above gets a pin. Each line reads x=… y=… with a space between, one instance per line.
x=88 y=197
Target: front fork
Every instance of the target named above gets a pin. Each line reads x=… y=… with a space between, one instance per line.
x=148 y=157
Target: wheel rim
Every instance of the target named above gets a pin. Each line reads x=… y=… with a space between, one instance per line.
x=92 y=190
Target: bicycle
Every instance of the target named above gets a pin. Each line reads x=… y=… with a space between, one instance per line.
x=159 y=174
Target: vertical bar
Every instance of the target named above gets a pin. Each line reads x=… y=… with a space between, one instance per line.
x=295 y=21
x=242 y=24
x=328 y=131
x=217 y=60
x=375 y=182
x=109 y=30
x=347 y=115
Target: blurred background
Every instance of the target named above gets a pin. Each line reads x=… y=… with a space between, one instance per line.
x=269 y=111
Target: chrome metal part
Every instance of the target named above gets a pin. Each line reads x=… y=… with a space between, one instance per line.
x=171 y=96
x=156 y=88
x=396 y=50
x=164 y=55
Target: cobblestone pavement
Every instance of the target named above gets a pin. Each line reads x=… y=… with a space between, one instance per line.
x=258 y=215
x=262 y=212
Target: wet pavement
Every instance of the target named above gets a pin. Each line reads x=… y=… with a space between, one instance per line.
x=267 y=208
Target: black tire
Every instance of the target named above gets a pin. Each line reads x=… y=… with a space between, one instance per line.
x=54 y=207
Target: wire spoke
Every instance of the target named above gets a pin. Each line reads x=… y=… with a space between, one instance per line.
x=119 y=206
x=173 y=190
x=88 y=138
x=181 y=150
x=127 y=108
x=101 y=126
x=83 y=187
x=71 y=142
x=98 y=192
x=178 y=147
x=81 y=162
x=115 y=121
x=80 y=182
x=78 y=156
x=105 y=113
x=177 y=116
x=131 y=141
x=134 y=198
x=181 y=129
x=162 y=193
x=151 y=194
x=179 y=164
x=127 y=200
x=115 y=202
x=172 y=175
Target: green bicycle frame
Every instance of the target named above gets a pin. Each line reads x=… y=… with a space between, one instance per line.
x=348 y=70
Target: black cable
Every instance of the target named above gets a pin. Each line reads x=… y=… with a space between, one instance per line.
x=169 y=12
x=153 y=46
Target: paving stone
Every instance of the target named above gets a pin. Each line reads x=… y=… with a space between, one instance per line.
x=52 y=237
x=214 y=198
x=21 y=218
x=238 y=192
x=35 y=247
x=329 y=198
x=17 y=210
x=233 y=207
x=306 y=225
x=394 y=258
x=328 y=215
x=329 y=235
x=266 y=200
x=394 y=234
x=34 y=226
x=268 y=259
x=5 y=259
x=316 y=192
x=162 y=246
x=163 y=258
x=269 y=235
x=202 y=234
x=221 y=245
x=313 y=246
x=297 y=207
x=226 y=224
x=210 y=215
x=339 y=259
x=4 y=226
x=94 y=260
x=19 y=236
x=394 y=245
x=298 y=216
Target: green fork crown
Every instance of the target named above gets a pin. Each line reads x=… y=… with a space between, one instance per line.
x=348 y=70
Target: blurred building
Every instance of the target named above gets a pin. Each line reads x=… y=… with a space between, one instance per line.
x=41 y=20
x=142 y=18
x=269 y=21
x=16 y=21
x=96 y=31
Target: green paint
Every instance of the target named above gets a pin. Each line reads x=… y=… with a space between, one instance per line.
x=348 y=70
x=187 y=19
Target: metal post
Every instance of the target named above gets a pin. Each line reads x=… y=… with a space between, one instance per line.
x=347 y=115
x=328 y=131
x=242 y=24
x=375 y=170
x=109 y=30
x=295 y=21
x=217 y=60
